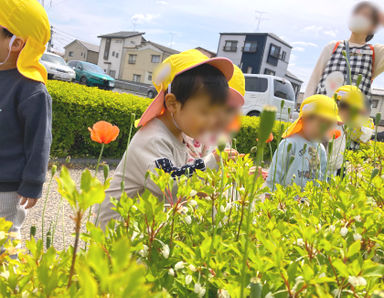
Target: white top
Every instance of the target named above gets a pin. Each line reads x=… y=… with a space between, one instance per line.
x=326 y=54
x=153 y=146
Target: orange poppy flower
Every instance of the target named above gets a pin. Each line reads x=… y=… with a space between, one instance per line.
x=335 y=134
x=104 y=132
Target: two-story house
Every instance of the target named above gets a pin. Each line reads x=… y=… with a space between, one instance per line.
x=127 y=55
x=81 y=50
x=258 y=53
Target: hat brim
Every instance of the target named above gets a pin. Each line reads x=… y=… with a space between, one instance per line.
x=154 y=110
x=235 y=99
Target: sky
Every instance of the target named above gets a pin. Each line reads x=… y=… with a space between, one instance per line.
x=307 y=25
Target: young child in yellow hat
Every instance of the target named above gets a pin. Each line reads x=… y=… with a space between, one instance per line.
x=351 y=103
x=191 y=91
x=25 y=107
x=300 y=156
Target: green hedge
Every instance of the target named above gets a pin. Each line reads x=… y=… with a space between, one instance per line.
x=77 y=107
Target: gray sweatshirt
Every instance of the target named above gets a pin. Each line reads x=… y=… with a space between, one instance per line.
x=152 y=147
x=308 y=162
x=25 y=134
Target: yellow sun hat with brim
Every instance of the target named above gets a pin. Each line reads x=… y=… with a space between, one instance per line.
x=318 y=105
x=237 y=85
x=171 y=67
x=351 y=95
x=28 y=20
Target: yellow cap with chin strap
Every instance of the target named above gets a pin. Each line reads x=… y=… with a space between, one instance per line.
x=318 y=105
x=351 y=95
x=27 y=20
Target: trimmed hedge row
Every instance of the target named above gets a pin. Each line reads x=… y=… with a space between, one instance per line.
x=77 y=107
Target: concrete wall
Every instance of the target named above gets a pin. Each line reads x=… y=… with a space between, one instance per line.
x=235 y=57
x=79 y=52
x=281 y=68
x=112 y=64
x=143 y=65
x=92 y=57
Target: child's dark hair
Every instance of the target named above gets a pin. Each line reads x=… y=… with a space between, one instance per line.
x=375 y=14
x=6 y=33
x=204 y=78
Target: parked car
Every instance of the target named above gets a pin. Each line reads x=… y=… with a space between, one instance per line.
x=261 y=90
x=57 y=68
x=92 y=75
x=136 y=87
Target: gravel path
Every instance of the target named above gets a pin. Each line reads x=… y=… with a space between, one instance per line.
x=54 y=209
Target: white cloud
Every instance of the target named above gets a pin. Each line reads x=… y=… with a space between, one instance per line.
x=331 y=33
x=313 y=29
x=140 y=18
x=304 y=44
x=298 y=49
x=160 y=2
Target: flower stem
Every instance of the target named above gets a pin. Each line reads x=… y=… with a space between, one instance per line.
x=44 y=207
x=77 y=231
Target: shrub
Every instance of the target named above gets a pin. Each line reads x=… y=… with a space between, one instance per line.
x=77 y=107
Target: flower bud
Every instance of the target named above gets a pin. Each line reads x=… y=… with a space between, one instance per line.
x=377 y=119
x=53 y=170
x=106 y=171
x=267 y=119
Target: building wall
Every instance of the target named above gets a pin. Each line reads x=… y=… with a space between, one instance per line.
x=112 y=64
x=79 y=52
x=379 y=97
x=235 y=57
x=251 y=61
x=143 y=65
x=92 y=57
x=281 y=68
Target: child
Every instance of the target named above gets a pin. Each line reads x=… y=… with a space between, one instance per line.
x=301 y=157
x=365 y=59
x=192 y=89
x=25 y=108
x=227 y=122
x=350 y=102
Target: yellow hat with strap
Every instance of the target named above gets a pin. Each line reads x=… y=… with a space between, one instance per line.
x=318 y=105
x=237 y=85
x=27 y=20
x=351 y=95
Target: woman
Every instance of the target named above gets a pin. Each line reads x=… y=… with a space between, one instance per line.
x=331 y=70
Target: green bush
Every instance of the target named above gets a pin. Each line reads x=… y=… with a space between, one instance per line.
x=77 y=107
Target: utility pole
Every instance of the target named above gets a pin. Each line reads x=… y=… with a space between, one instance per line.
x=50 y=45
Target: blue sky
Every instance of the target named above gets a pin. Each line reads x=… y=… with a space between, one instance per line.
x=306 y=25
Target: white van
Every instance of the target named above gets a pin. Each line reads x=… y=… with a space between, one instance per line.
x=261 y=90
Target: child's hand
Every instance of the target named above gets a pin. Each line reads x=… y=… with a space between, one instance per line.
x=232 y=154
x=262 y=172
x=30 y=202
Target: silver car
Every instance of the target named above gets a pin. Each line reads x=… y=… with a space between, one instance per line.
x=57 y=68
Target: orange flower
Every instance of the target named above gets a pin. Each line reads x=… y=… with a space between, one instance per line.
x=104 y=132
x=335 y=134
x=270 y=139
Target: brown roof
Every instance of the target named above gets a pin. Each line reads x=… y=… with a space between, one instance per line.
x=89 y=46
x=121 y=34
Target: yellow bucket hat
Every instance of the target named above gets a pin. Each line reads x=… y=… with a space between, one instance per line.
x=351 y=95
x=319 y=105
x=27 y=20
x=237 y=85
x=171 y=67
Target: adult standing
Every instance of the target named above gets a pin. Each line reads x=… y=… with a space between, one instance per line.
x=331 y=70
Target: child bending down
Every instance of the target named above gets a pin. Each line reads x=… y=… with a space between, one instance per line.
x=192 y=90
x=300 y=156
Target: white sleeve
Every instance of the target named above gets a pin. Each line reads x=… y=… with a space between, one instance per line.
x=319 y=69
x=378 y=66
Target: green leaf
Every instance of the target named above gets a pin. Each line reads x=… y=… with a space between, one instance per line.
x=353 y=249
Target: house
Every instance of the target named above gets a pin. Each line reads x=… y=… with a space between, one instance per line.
x=81 y=50
x=206 y=52
x=127 y=55
x=259 y=53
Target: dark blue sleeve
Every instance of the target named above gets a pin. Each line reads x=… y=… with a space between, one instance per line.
x=35 y=113
x=188 y=169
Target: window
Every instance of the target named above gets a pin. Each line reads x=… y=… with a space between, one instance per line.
x=250 y=47
x=113 y=54
x=230 y=46
x=81 y=54
x=136 y=78
x=149 y=76
x=274 y=55
x=155 y=59
x=375 y=103
x=283 y=90
x=284 y=56
x=255 y=84
x=132 y=59
x=267 y=71
x=112 y=73
x=70 y=54
x=107 y=48
x=117 y=55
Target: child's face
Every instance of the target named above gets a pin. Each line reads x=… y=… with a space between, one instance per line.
x=8 y=56
x=225 y=116
x=347 y=113
x=316 y=128
x=197 y=116
x=4 y=45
